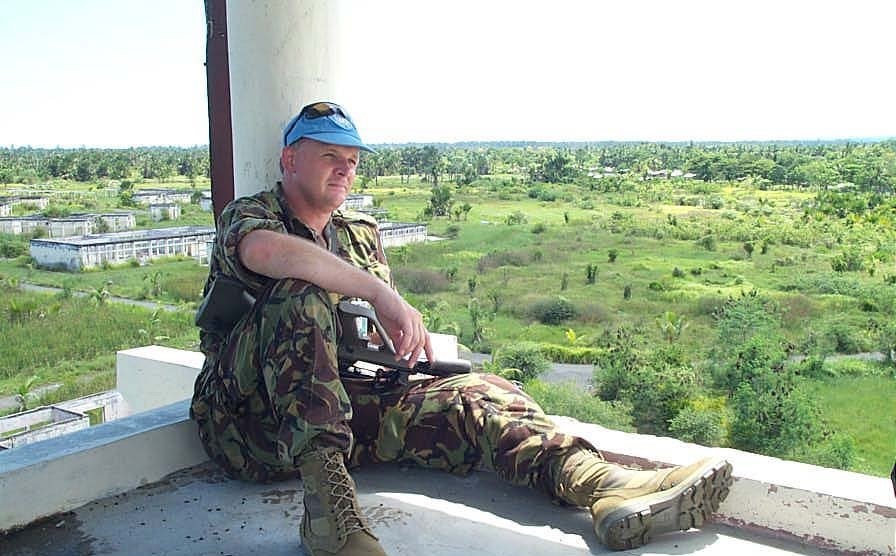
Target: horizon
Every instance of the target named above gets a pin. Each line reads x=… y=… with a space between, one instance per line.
x=513 y=143
x=633 y=72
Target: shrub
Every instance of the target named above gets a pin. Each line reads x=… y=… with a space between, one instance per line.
x=707 y=242
x=836 y=336
x=590 y=273
x=539 y=228
x=848 y=261
x=522 y=361
x=677 y=272
x=750 y=362
x=772 y=416
x=452 y=231
x=698 y=425
x=571 y=400
x=552 y=310
x=12 y=246
x=514 y=218
x=592 y=312
x=421 y=281
x=660 y=389
x=497 y=259
x=580 y=355
x=838 y=451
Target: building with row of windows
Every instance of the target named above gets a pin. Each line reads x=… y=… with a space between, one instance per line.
x=164 y=211
x=393 y=234
x=86 y=251
x=357 y=201
x=74 y=225
x=6 y=203
x=162 y=196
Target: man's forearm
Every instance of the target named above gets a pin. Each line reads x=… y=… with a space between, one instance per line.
x=282 y=256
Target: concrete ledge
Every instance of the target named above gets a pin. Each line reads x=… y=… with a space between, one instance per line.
x=821 y=507
x=60 y=474
x=152 y=376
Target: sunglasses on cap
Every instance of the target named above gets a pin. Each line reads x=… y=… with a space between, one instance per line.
x=325 y=121
x=322 y=110
x=315 y=111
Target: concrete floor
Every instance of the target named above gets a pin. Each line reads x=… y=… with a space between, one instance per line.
x=198 y=511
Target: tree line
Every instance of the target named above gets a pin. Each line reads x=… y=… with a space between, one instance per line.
x=865 y=166
x=28 y=165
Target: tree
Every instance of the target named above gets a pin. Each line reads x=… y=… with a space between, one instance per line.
x=432 y=164
x=671 y=325
x=24 y=392
x=556 y=168
x=440 y=202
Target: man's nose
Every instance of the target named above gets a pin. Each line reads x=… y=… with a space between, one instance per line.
x=344 y=167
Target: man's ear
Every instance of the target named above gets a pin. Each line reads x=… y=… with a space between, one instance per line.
x=287 y=157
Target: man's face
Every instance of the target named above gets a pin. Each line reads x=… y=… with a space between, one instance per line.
x=319 y=175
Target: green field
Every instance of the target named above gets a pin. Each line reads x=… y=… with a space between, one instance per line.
x=652 y=253
x=863 y=408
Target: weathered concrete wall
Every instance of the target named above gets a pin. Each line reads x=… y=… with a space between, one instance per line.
x=153 y=376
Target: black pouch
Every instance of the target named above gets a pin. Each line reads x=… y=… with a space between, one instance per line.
x=224 y=305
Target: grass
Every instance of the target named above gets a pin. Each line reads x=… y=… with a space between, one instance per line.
x=513 y=268
x=180 y=280
x=862 y=407
x=73 y=340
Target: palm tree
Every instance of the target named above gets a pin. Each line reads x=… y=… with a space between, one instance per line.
x=23 y=392
x=671 y=325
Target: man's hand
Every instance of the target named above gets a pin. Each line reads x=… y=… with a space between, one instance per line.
x=404 y=325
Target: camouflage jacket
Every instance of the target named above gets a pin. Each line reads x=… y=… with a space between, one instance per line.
x=356 y=240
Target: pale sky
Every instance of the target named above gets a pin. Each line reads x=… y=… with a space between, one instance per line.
x=117 y=73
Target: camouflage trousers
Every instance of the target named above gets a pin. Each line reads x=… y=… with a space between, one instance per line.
x=275 y=392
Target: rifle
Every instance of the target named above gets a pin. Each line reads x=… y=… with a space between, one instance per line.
x=355 y=346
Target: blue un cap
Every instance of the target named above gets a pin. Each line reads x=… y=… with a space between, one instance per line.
x=325 y=122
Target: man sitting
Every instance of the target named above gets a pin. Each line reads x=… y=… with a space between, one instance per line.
x=270 y=403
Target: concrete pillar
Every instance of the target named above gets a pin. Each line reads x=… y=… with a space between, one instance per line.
x=283 y=54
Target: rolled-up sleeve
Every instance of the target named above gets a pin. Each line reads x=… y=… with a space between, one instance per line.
x=240 y=218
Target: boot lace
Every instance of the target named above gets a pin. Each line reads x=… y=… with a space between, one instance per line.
x=342 y=495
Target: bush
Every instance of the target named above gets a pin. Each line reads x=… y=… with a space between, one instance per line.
x=848 y=261
x=773 y=417
x=552 y=310
x=836 y=336
x=514 y=218
x=582 y=355
x=591 y=312
x=523 y=361
x=838 y=451
x=660 y=389
x=421 y=281
x=497 y=259
x=11 y=246
x=707 y=242
x=570 y=400
x=539 y=228
x=542 y=194
x=701 y=426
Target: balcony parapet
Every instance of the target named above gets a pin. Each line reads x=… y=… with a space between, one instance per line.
x=816 y=506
